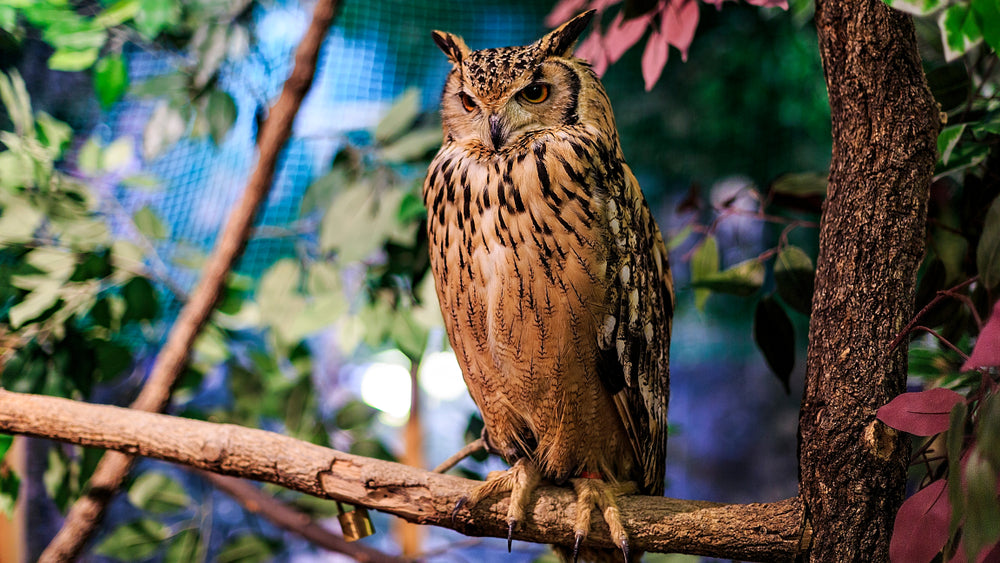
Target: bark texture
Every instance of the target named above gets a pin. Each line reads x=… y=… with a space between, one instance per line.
x=108 y=478
x=749 y=532
x=885 y=125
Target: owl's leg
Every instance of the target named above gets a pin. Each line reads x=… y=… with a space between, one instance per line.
x=520 y=480
x=591 y=492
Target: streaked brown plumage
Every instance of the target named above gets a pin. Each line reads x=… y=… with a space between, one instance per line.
x=552 y=275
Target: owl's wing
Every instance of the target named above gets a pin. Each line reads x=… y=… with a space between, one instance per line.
x=634 y=361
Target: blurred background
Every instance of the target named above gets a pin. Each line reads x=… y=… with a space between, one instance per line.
x=330 y=317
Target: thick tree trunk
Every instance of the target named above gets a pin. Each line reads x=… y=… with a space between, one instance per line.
x=885 y=125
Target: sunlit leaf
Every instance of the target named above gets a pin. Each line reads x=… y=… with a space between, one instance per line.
x=150 y=224
x=15 y=98
x=704 y=263
x=916 y=7
x=118 y=154
x=34 y=304
x=741 y=279
x=399 y=117
x=988 y=18
x=165 y=127
x=412 y=146
x=959 y=30
x=802 y=184
x=947 y=140
x=117 y=13
x=134 y=541
x=156 y=492
x=111 y=77
x=775 y=336
x=53 y=133
x=71 y=60
x=155 y=16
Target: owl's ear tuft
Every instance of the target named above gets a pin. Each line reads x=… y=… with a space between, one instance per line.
x=560 y=41
x=451 y=44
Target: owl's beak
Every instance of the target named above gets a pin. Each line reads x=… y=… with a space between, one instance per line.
x=498 y=136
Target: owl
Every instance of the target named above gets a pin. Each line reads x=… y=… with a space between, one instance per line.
x=552 y=277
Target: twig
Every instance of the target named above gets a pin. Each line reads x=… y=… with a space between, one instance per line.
x=748 y=532
x=88 y=511
x=288 y=518
x=469 y=449
x=950 y=292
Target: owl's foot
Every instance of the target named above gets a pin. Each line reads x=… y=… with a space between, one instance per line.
x=520 y=480
x=591 y=492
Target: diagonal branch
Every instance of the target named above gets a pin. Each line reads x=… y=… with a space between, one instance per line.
x=110 y=474
x=750 y=532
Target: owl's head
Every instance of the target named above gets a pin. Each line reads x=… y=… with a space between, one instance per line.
x=494 y=96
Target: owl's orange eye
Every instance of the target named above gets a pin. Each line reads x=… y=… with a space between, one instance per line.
x=467 y=102
x=535 y=93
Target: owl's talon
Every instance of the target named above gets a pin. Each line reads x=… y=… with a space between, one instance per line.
x=510 y=532
x=624 y=546
x=576 y=546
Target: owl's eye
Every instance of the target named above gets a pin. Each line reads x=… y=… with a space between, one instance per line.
x=467 y=102
x=535 y=93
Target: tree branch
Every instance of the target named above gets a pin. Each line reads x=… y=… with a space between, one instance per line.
x=110 y=474
x=751 y=532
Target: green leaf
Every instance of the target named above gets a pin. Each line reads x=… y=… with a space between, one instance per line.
x=185 y=546
x=400 y=117
x=988 y=251
x=165 y=127
x=775 y=336
x=88 y=158
x=15 y=98
x=53 y=133
x=743 y=279
x=112 y=358
x=959 y=30
x=988 y=19
x=982 y=510
x=221 y=115
x=71 y=60
x=111 y=77
x=118 y=154
x=987 y=429
x=156 y=492
x=954 y=441
x=678 y=239
x=117 y=13
x=412 y=146
x=704 y=263
x=354 y=414
x=246 y=549
x=133 y=541
x=916 y=7
x=140 y=300
x=149 y=224
x=794 y=276
x=10 y=486
x=34 y=304
x=947 y=140
x=5 y=442
x=156 y=15
x=802 y=184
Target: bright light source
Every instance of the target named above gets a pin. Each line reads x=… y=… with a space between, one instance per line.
x=386 y=387
x=441 y=377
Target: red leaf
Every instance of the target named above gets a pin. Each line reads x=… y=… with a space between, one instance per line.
x=592 y=50
x=621 y=35
x=654 y=58
x=987 y=350
x=923 y=414
x=783 y=4
x=563 y=11
x=921 y=527
x=987 y=555
x=679 y=19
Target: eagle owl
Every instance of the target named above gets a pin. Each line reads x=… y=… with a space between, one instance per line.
x=552 y=277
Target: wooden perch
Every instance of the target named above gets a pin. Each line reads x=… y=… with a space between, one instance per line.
x=752 y=532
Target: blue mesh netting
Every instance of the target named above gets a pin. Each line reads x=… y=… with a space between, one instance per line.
x=374 y=52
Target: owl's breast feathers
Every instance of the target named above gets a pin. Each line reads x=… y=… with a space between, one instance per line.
x=557 y=297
